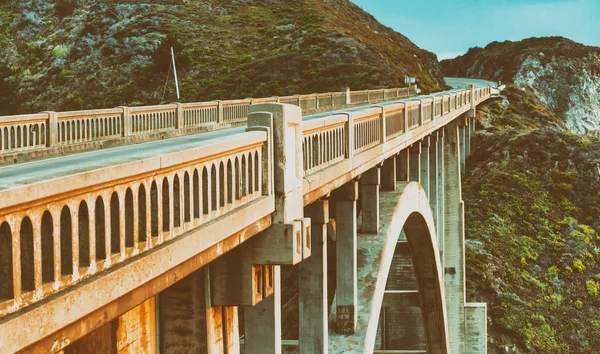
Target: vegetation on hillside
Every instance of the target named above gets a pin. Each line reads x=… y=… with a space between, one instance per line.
x=532 y=195
x=78 y=54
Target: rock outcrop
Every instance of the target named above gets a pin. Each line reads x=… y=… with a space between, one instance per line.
x=565 y=75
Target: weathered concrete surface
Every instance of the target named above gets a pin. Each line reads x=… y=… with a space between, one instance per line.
x=476 y=328
x=132 y=333
x=406 y=208
x=129 y=284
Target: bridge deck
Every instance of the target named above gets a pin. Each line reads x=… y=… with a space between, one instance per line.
x=12 y=176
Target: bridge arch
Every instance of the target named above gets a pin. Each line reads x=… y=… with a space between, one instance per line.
x=403 y=212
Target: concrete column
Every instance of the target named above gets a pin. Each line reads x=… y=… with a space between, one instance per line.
x=348 y=96
x=414 y=166
x=454 y=252
x=262 y=323
x=440 y=190
x=287 y=151
x=463 y=146
x=388 y=174
x=346 y=290
x=369 y=192
x=402 y=165
x=433 y=176
x=424 y=173
x=468 y=130
x=186 y=304
x=476 y=328
x=312 y=294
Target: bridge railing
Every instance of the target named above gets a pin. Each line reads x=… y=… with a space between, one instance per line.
x=329 y=140
x=58 y=232
x=50 y=129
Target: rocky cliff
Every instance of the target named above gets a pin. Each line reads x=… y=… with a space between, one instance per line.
x=565 y=75
x=79 y=54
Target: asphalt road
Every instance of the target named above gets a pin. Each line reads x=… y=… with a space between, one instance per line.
x=12 y=176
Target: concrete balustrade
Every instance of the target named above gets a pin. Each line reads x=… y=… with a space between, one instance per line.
x=51 y=129
x=96 y=221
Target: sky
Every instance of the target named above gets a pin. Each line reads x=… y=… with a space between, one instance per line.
x=449 y=28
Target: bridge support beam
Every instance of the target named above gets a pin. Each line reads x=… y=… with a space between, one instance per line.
x=454 y=238
x=369 y=189
x=424 y=173
x=388 y=175
x=402 y=165
x=414 y=163
x=346 y=245
x=262 y=323
x=313 y=307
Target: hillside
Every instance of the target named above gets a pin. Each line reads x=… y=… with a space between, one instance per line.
x=78 y=54
x=565 y=75
x=532 y=200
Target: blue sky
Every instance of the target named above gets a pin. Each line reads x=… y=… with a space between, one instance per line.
x=450 y=27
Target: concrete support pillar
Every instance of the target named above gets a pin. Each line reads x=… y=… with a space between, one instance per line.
x=388 y=174
x=462 y=127
x=369 y=192
x=402 y=165
x=441 y=191
x=187 y=305
x=433 y=176
x=346 y=246
x=424 y=173
x=469 y=129
x=454 y=237
x=414 y=163
x=312 y=295
x=476 y=328
x=262 y=323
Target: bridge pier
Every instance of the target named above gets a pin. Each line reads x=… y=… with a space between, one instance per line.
x=388 y=174
x=346 y=296
x=462 y=134
x=441 y=192
x=403 y=166
x=369 y=191
x=433 y=177
x=424 y=165
x=262 y=322
x=313 y=307
x=454 y=237
x=414 y=162
x=187 y=304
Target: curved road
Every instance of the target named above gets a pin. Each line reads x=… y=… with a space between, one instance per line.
x=12 y=176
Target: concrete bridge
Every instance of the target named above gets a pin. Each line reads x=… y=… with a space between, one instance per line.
x=178 y=245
